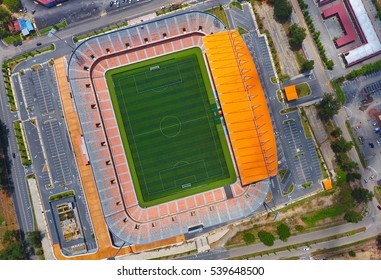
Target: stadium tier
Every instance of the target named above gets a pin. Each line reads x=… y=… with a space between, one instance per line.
x=118 y=172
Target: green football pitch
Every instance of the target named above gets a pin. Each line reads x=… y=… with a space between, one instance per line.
x=169 y=124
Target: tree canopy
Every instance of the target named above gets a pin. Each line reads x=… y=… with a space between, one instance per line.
x=362 y=195
x=353 y=217
x=283 y=231
x=13 y=246
x=308 y=65
x=13 y=5
x=341 y=146
x=328 y=107
x=282 y=10
x=266 y=237
x=249 y=238
x=296 y=35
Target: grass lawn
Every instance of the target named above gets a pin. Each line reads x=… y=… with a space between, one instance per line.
x=171 y=9
x=331 y=212
x=282 y=173
x=303 y=90
x=220 y=13
x=290 y=190
x=235 y=4
x=306 y=125
x=58 y=26
x=21 y=144
x=241 y=30
x=170 y=127
x=349 y=128
x=377 y=193
x=340 y=94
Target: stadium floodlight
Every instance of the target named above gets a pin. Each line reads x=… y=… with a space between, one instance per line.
x=52 y=32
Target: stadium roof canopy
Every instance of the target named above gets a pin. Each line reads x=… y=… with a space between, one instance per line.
x=350 y=33
x=291 y=93
x=244 y=105
x=372 y=45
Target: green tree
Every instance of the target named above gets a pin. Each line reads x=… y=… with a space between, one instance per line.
x=362 y=195
x=13 y=5
x=378 y=242
x=352 y=253
x=353 y=217
x=34 y=238
x=282 y=10
x=296 y=35
x=341 y=146
x=13 y=247
x=336 y=132
x=283 y=231
x=249 y=238
x=351 y=177
x=328 y=107
x=299 y=228
x=266 y=238
x=5 y=15
x=308 y=65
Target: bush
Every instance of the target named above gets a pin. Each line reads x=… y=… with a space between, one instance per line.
x=249 y=238
x=282 y=10
x=284 y=232
x=296 y=35
x=13 y=5
x=266 y=238
x=353 y=217
x=308 y=65
x=352 y=253
x=299 y=228
x=362 y=195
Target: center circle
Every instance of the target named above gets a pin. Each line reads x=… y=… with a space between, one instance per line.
x=170 y=126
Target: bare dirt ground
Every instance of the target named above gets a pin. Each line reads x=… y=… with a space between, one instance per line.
x=364 y=251
x=291 y=217
x=7 y=213
x=288 y=62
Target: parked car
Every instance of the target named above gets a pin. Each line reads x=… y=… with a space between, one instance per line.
x=365 y=181
x=379 y=207
x=371 y=177
x=13 y=155
x=39 y=44
x=371 y=145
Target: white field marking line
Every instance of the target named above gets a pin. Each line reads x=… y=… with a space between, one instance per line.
x=206 y=113
x=188 y=184
x=169 y=169
x=177 y=187
x=42 y=90
x=166 y=85
x=159 y=129
x=133 y=138
x=293 y=141
x=55 y=145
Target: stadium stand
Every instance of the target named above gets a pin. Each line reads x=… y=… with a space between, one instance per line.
x=244 y=106
x=124 y=217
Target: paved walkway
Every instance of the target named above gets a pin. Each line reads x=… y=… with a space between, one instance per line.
x=40 y=219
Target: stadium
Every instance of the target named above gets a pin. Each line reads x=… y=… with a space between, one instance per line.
x=174 y=127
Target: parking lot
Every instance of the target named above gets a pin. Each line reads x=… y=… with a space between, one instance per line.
x=53 y=160
x=362 y=114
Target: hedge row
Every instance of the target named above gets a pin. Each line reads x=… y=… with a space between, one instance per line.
x=315 y=35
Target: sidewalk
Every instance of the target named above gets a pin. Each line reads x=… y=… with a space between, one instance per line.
x=40 y=219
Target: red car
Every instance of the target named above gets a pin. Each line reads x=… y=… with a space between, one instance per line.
x=379 y=207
